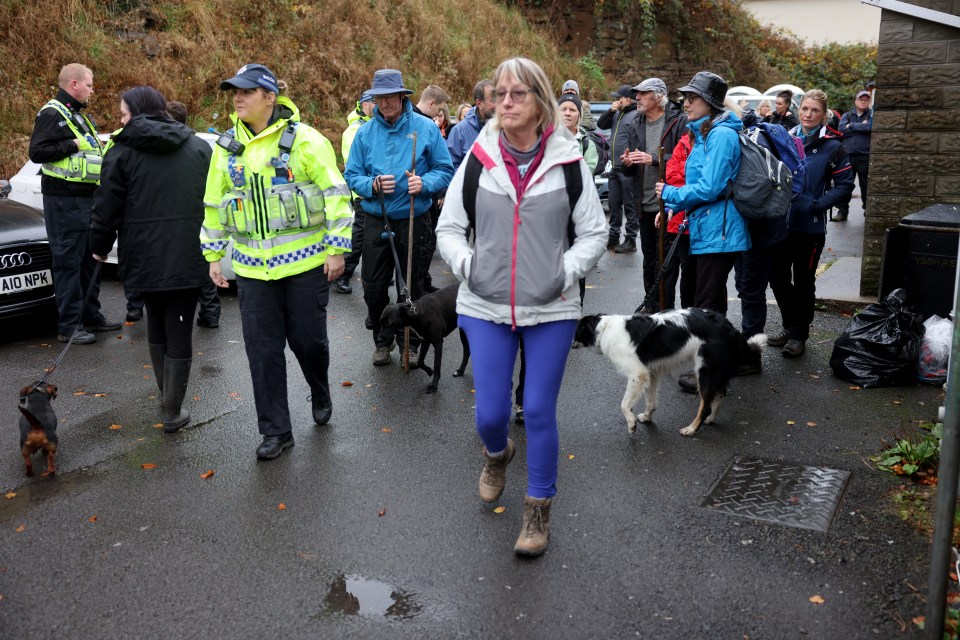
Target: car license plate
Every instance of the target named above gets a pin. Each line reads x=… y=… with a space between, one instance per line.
x=25 y=281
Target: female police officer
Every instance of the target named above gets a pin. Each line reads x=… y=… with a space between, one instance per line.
x=274 y=189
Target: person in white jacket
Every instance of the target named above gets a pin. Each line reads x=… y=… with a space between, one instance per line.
x=520 y=276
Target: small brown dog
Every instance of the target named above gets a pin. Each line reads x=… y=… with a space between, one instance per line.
x=38 y=425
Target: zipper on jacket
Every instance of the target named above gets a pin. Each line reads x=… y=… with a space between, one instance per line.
x=513 y=267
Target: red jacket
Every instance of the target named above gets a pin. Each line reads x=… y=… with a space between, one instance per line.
x=676 y=176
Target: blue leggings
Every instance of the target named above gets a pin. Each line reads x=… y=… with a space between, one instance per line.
x=493 y=348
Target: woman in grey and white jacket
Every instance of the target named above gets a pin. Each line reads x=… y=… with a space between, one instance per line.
x=520 y=277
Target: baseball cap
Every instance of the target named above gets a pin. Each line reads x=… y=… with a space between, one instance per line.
x=570 y=84
x=251 y=76
x=365 y=97
x=863 y=93
x=625 y=91
x=651 y=84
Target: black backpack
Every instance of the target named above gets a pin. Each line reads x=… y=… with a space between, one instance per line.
x=471 y=180
x=762 y=188
x=602 y=146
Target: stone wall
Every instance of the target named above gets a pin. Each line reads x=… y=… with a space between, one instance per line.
x=915 y=147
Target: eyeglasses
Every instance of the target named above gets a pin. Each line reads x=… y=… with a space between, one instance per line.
x=516 y=95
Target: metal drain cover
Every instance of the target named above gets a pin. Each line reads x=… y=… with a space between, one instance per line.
x=779 y=492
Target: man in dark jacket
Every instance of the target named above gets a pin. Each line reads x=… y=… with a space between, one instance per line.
x=659 y=123
x=65 y=144
x=621 y=198
x=856 y=126
x=462 y=136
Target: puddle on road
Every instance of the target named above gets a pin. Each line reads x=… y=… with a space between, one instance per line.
x=36 y=490
x=359 y=596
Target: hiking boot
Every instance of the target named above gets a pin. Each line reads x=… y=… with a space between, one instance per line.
x=629 y=246
x=688 y=382
x=81 y=337
x=493 y=478
x=778 y=340
x=414 y=355
x=794 y=348
x=535 y=532
x=381 y=356
x=273 y=446
x=103 y=325
x=613 y=242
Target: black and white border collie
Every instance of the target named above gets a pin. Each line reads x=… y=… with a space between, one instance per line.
x=647 y=348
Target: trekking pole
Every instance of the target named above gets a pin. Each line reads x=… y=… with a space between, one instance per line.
x=406 y=330
x=660 y=230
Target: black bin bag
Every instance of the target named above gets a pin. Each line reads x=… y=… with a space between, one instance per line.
x=880 y=346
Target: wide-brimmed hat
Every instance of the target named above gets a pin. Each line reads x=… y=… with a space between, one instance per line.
x=709 y=86
x=251 y=76
x=387 y=81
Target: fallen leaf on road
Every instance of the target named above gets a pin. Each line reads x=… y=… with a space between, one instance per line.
x=128 y=324
x=10 y=495
x=196 y=398
x=387 y=430
x=281 y=507
x=817 y=599
x=21 y=528
x=92 y=519
x=115 y=427
x=811 y=424
x=79 y=393
x=499 y=509
x=897 y=402
x=382 y=512
x=369 y=385
x=148 y=465
x=158 y=425
x=814 y=376
x=148 y=366
x=571 y=457
x=99 y=395
x=234 y=395
x=854 y=388
x=791 y=422
x=207 y=474
x=346 y=383
x=306 y=556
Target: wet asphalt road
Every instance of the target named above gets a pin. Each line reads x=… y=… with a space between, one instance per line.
x=383 y=535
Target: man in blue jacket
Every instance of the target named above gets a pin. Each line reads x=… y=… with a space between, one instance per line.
x=856 y=126
x=463 y=135
x=378 y=171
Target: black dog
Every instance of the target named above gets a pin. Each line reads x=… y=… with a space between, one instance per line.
x=433 y=317
x=38 y=425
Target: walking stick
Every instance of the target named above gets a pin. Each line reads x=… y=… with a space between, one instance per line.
x=406 y=330
x=660 y=230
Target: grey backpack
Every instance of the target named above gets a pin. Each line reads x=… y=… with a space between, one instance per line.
x=763 y=186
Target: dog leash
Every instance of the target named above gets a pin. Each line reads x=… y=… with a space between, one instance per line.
x=47 y=372
x=402 y=288
x=645 y=305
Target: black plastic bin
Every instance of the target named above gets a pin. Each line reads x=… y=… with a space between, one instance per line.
x=920 y=255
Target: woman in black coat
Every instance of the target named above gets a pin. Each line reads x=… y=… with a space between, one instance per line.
x=151 y=196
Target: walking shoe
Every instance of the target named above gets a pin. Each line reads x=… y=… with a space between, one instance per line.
x=82 y=337
x=629 y=246
x=493 y=478
x=382 y=355
x=535 y=532
x=840 y=216
x=794 y=348
x=342 y=285
x=414 y=355
x=778 y=340
x=208 y=323
x=613 y=242
x=749 y=369
x=368 y=323
x=273 y=446
x=688 y=382
x=135 y=314
x=322 y=406
x=103 y=325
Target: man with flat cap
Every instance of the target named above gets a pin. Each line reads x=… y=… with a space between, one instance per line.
x=659 y=123
x=378 y=171
x=621 y=199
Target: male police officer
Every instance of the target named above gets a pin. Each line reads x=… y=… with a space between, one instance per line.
x=65 y=144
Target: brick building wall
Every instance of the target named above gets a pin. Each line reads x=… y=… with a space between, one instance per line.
x=915 y=147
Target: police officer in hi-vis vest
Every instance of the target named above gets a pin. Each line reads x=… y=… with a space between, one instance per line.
x=275 y=190
x=65 y=144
